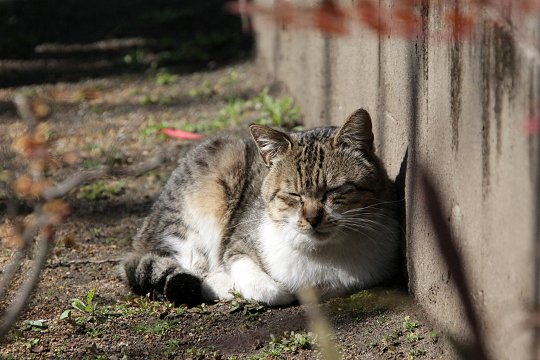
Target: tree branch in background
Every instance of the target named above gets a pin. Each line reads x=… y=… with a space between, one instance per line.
x=49 y=210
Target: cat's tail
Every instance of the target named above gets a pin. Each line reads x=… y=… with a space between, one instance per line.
x=161 y=277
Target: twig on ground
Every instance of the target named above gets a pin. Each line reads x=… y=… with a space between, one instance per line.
x=82 y=262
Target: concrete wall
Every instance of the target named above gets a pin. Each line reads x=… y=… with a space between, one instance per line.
x=457 y=108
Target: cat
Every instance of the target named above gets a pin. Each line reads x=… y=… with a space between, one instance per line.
x=268 y=216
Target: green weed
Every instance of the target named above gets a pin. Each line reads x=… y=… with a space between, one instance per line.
x=158 y=328
x=88 y=309
x=415 y=352
x=289 y=344
x=280 y=112
x=204 y=89
x=90 y=163
x=100 y=190
x=32 y=342
x=171 y=347
x=413 y=336
x=90 y=147
x=155 y=100
x=409 y=324
x=251 y=310
x=135 y=57
x=163 y=77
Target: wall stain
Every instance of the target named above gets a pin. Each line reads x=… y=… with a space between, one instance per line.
x=276 y=51
x=532 y=114
x=424 y=12
x=327 y=80
x=504 y=53
x=485 y=65
x=381 y=96
x=455 y=86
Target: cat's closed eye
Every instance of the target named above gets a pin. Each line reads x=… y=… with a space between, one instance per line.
x=345 y=193
x=293 y=194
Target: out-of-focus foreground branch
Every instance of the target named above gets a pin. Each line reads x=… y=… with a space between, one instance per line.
x=49 y=210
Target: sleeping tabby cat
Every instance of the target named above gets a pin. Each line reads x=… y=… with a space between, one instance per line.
x=268 y=216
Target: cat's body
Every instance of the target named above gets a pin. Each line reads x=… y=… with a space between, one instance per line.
x=316 y=211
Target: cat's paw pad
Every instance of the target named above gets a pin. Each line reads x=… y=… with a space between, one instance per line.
x=183 y=289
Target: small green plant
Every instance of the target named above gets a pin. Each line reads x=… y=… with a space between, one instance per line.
x=35 y=325
x=163 y=77
x=155 y=100
x=413 y=336
x=251 y=310
x=204 y=89
x=158 y=328
x=135 y=57
x=154 y=129
x=392 y=337
x=88 y=308
x=101 y=190
x=32 y=342
x=415 y=352
x=290 y=344
x=90 y=147
x=90 y=163
x=409 y=324
x=277 y=112
x=172 y=347
x=200 y=353
x=231 y=78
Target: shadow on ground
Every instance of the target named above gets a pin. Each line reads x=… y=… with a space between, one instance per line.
x=63 y=40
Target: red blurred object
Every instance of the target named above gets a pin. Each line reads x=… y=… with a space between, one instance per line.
x=371 y=15
x=462 y=24
x=330 y=19
x=181 y=134
x=531 y=126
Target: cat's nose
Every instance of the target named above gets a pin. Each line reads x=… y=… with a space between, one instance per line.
x=315 y=220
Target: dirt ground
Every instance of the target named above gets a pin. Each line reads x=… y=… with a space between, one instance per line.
x=116 y=120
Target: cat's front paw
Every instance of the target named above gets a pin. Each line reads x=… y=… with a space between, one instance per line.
x=183 y=288
x=269 y=293
x=255 y=284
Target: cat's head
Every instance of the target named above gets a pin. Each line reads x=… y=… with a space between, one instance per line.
x=323 y=184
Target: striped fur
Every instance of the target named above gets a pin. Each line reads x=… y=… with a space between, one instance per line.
x=317 y=210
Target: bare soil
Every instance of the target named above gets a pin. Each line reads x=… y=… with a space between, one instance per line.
x=111 y=119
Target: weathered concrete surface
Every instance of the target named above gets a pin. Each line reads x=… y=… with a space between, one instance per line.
x=458 y=109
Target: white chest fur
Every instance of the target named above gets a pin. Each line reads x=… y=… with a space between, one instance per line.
x=343 y=264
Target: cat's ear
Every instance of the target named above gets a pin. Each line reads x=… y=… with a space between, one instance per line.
x=356 y=131
x=271 y=143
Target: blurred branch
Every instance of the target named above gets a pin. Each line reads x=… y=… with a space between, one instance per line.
x=27 y=236
x=82 y=177
x=11 y=314
x=49 y=210
x=25 y=110
x=319 y=324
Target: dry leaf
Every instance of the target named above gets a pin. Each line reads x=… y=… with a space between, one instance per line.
x=70 y=241
x=57 y=209
x=9 y=236
x=40 y=108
